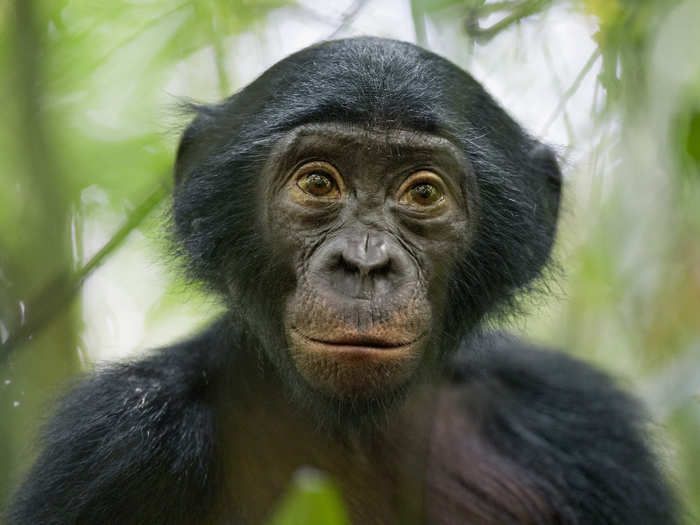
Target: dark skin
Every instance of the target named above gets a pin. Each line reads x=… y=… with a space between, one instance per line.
x=380 y=475
x=370 y=247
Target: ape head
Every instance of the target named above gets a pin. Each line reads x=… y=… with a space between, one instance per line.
x=362 y=205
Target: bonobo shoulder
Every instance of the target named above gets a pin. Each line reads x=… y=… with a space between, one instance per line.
x=131 y=444
x=582 y=441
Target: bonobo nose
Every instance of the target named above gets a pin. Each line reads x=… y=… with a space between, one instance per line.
x=366 y=256
x=364 y=265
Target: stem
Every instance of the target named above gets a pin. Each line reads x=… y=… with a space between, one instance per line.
x=62 y=289
x=347 y=18
x=519 y=12
x=572 y=89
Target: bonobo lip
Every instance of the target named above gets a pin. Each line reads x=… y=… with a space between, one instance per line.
x=359 y=341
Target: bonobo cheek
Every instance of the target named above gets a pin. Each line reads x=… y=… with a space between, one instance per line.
x=356 y=348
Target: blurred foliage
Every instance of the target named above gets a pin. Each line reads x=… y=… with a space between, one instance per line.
x=83 y=132
x=87 y=145
x=311 y=500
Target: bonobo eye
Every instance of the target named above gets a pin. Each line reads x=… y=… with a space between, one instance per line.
x=423 y=189
x=423 y=193
x=318 y=179
x=316 y=183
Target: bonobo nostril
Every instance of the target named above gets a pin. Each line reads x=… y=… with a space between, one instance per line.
x=368 y=255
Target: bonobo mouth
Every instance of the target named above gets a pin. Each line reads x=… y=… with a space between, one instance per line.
x=358 y=341
x=348 y=363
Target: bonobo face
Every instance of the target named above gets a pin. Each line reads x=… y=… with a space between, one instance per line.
x=373 y=222
x=362 y=205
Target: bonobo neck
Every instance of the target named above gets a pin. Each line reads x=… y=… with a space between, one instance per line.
x=266 y=438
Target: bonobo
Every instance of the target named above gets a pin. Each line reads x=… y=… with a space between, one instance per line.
x=362 y=207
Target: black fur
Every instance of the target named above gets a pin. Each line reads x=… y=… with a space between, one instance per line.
x=528 y=437
x=115 y=455
x=581 y=441
x=132 y=444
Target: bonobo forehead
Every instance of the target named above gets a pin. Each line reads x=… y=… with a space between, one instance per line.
x=376 y=136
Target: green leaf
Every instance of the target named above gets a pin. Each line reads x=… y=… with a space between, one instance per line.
x=692 y=140
x=311 y=500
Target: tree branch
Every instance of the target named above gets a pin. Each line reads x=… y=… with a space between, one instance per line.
x=572 y=89
x=519 y=12
x=347 y=18
x=61 y=290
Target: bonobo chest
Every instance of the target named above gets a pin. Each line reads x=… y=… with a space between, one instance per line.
x=405 y=471
x=379 y=471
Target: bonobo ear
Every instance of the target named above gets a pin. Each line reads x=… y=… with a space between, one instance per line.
x=519 y=193
x=186 y=150
x=544 y=177
x=192 y=145
x=534 y=227
x=214 y=214
x=546 y=172
x=203 y=212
